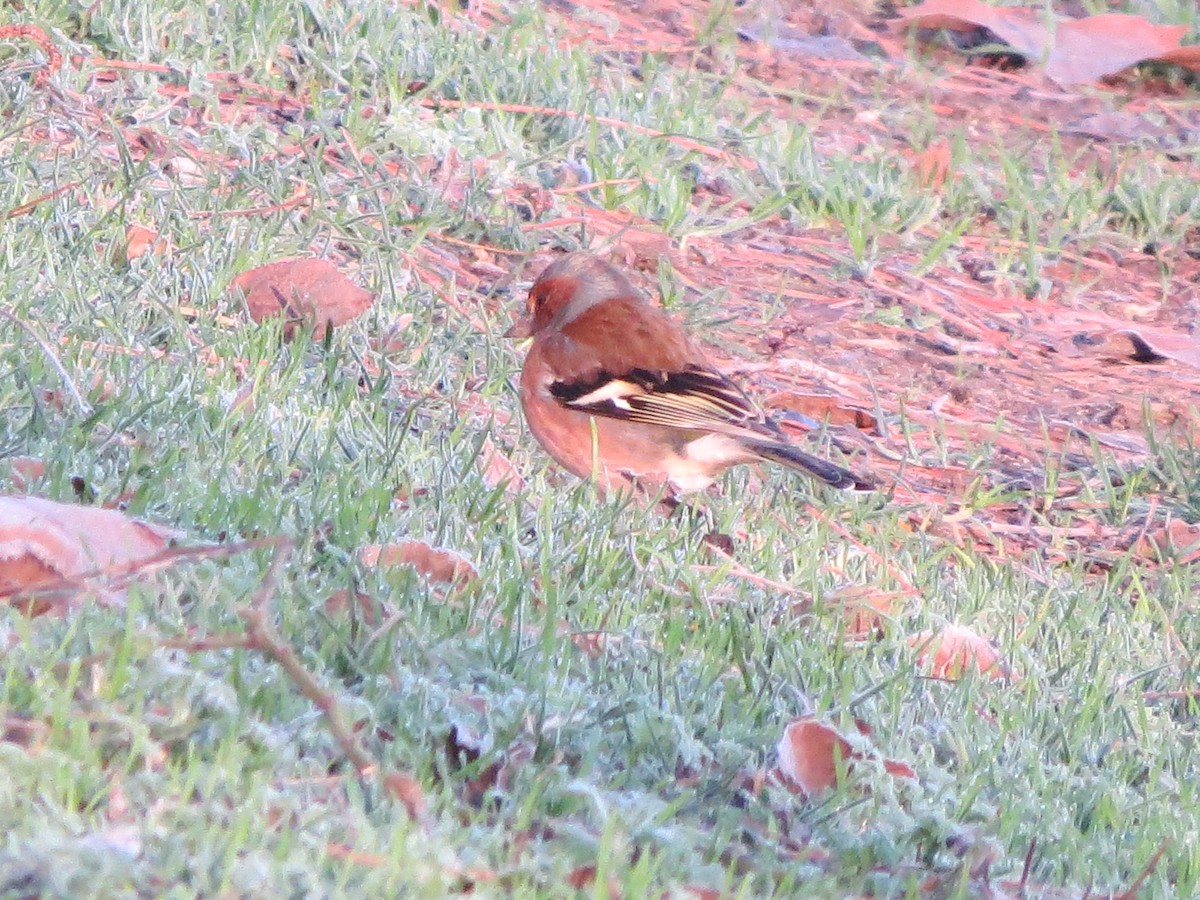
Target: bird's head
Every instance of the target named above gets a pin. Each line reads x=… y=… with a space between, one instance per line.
x=566 y=289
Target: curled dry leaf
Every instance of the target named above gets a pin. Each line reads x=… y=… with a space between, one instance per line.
x=1155 y=345
x=23 y=470
x=955 y=650
x=931 y=166
x=140 y=240
x=44 y=543
x=1072 y=51
x=408 y=791
x=498 y=470
x=354 y=604
x=810 y=753
x=304 y=291
x=866 y=610
x=439 y=566
x=97 y=388
x=1173 y=540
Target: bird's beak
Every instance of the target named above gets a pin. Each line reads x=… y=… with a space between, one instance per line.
x=522 y=328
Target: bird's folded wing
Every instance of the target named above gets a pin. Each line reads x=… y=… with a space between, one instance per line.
x=695 y=398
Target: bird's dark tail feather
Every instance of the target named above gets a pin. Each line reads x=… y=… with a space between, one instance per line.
x=795 y=458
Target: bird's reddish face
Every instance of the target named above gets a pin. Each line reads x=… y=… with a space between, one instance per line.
x=546 y=300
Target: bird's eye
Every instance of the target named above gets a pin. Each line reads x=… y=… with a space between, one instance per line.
x=536 y=298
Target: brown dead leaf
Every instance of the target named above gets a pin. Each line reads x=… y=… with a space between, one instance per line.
x=44 y=543
x=1072 y=51
x=439 y=566
x=1150 y=343
x=140 y=240
x=346 y=603
x=305 y=291
x=1022 y=29
x=865 y=609
x=1173 y=540
x=408 y=791
x=23 y=470
x=955 y=650
x=931 y=166
x=498 y=470
x=1086 y=50
x=810 y=751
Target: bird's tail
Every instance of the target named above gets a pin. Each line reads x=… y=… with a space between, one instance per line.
x=795 y=458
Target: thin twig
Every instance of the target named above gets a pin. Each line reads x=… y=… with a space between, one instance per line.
x=737 y=570
x=1131 y=892
x=262 y=636
x=1025 y=870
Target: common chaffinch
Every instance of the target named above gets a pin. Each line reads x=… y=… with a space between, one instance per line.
x=617 y=391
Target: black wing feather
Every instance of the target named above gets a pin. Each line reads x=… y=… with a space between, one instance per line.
x=695 y=398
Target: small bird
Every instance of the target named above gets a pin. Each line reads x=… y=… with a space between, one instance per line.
x=617 y=391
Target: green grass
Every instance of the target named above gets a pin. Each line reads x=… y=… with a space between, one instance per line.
x=159 y=772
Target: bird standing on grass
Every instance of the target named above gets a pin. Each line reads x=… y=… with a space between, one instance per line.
x=617 y=391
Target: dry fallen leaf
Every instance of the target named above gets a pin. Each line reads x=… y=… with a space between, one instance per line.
x=1148 y=343
x=23 y=470
x=810 y=751
x=931 y=166
x=140 y=240
x=346 y=604
x=866 y=610
x=305 y=291
x=498 y=470
x=1174 y=540
x=955 y=650
x=1072 y=51
x=440 y=566
x=1086 y=50
x=44 y=543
